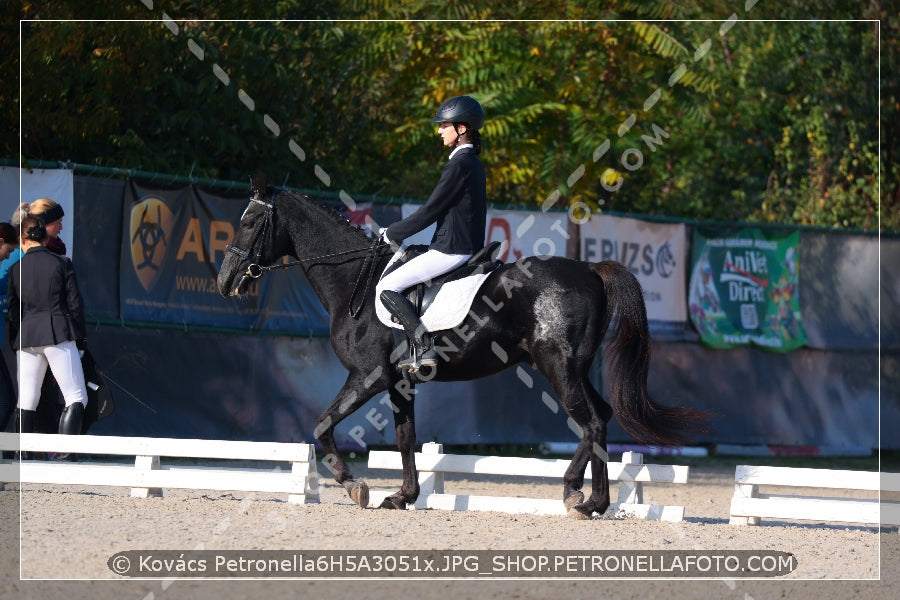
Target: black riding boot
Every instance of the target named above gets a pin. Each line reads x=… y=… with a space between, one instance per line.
x=424 y=354
x=25 y=420
x=25 y=424
x=70 y=424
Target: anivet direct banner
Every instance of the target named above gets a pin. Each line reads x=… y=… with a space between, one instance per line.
x=744 y=289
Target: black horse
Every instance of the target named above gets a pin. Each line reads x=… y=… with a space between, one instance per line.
x=551 y=312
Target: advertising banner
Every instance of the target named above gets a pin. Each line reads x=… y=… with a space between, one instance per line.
x=655 y=253
x=174 y=241
x=744 y=289
x=527 y=233
x=523 y=233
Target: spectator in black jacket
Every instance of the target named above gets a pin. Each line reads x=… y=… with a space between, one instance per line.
x=46 y=327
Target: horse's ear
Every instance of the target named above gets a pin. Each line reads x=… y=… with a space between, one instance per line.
x=258 y=187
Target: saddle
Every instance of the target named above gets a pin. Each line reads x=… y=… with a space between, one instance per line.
x=422 y=295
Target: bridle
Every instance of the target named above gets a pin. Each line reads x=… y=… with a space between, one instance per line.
x=255 y=270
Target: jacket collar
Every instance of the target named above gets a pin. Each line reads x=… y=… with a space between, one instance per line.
x=460 y=149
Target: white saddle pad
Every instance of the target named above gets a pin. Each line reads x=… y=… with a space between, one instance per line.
x=449 y=307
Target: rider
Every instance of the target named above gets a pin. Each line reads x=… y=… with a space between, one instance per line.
x=458 y=205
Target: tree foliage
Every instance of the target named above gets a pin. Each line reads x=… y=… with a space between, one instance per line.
x=627 y=106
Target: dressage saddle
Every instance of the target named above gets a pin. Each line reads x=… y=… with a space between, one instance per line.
x=423 y=294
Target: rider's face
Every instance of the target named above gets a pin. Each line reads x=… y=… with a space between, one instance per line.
x=449 y=134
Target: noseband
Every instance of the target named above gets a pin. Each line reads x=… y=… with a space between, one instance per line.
x=254 y=270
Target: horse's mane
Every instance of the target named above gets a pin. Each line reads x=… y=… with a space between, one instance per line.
x=328 y=210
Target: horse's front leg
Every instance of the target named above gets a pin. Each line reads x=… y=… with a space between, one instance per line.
x=402 y=403
x=354 y=393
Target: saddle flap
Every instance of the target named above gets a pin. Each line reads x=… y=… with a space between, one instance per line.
x=465 y=279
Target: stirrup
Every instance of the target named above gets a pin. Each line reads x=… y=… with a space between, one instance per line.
x=415 y=362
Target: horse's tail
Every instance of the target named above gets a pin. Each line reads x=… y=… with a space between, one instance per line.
x=627 y=358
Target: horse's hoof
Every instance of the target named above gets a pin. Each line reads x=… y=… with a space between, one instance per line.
x=580 y=512
x=360 y=493
x=573 y=499
x=393 y=503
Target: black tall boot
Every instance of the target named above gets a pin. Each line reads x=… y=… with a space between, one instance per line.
x=25 y=424
x=424 y=354
x=25 y=420
x=70 y=424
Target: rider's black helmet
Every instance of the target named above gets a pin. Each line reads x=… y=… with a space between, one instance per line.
x=461 y=109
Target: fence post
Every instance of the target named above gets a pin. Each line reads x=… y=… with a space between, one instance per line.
x=630 y=491
x=430 y=482
x=745 y=490
x=146 y=463
x=307 y=470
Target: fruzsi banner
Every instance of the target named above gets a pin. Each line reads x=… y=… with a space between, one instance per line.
x=655 y=254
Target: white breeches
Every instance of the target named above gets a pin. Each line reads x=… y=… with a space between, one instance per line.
x=421 y=268
x=64 y=363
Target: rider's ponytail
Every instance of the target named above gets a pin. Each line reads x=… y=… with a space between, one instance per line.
x=475 y=138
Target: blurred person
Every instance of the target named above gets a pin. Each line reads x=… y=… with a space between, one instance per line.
x=46 y=327
x=458 y=205
x=50 y=410
x=10 y=259
x=52 y=214
x=9 y=243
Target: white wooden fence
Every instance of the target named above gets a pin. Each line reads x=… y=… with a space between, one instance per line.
x=148 y=476
x=748 y=505
x=432 y=464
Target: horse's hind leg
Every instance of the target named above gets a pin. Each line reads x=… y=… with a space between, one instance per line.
x=353 y=394
x=573 y=479
x=580 y=401
x=592 y=447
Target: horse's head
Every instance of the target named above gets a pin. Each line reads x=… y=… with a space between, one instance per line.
x=253 y=245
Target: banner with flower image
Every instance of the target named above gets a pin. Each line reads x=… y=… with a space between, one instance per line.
x=744 y=289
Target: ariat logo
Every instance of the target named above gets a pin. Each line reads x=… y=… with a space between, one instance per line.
x=151 y=228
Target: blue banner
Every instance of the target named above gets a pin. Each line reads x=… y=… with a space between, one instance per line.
x=173 y=243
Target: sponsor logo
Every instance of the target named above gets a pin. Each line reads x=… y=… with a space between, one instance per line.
x=150 y=233
x=665 y=261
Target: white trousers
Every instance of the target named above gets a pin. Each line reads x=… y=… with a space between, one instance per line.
x=64 y=363
x=421 y=268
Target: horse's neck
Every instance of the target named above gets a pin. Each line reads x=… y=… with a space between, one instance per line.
x=319 y=238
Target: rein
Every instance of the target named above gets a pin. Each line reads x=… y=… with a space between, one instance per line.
x=255 y=270
x=367 y=272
